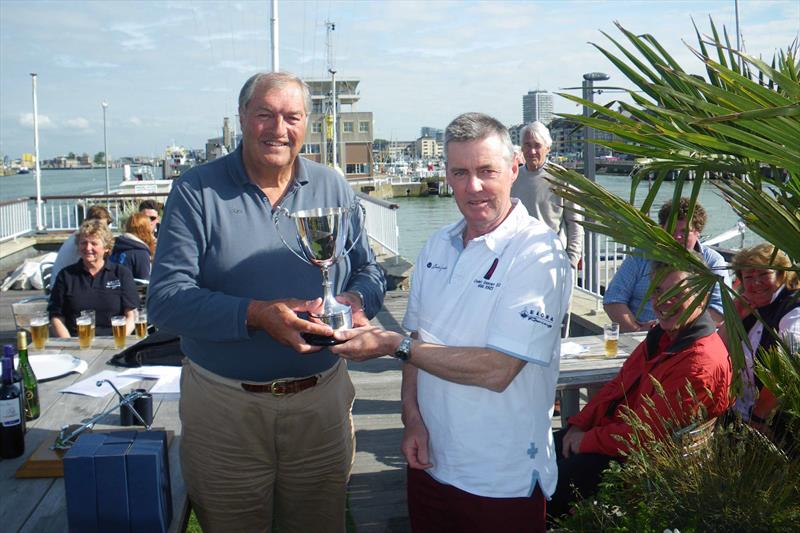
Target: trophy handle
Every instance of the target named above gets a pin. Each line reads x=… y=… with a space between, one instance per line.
x=361 y=226
x=275 y=217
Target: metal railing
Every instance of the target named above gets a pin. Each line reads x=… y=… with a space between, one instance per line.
x=65 y=213
x=381 y=222
x=15 y=219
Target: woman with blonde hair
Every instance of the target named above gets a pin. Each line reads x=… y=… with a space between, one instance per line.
x=768 y=291
x=135 y=248
x=92 y=283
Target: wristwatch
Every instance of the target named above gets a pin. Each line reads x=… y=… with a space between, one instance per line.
x=403 y=351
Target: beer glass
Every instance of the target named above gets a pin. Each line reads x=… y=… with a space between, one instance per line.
x=84 y=323
x=91 y=314
x=611 y=338
x=141 y=323
x=118 y=325
x=40 y=330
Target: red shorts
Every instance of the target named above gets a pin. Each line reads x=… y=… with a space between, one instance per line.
x=437 y=508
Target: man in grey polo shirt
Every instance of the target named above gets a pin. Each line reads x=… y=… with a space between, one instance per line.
x=267 y=432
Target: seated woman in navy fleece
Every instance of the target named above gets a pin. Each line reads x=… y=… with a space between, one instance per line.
x=135 y=248
x=92 y=283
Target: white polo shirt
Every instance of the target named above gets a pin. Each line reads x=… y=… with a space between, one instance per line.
x=507 y=290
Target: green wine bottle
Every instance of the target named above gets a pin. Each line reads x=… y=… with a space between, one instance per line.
x=29 y=383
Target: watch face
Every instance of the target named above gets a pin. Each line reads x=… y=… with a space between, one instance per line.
x=404 y=350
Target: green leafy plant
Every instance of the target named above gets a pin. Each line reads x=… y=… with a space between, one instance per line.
x=741 y=123
x=699 y=480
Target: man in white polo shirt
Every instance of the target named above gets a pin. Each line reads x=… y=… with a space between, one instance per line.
x=487 y=298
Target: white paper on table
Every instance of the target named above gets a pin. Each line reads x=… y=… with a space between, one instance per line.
x=571 y=349
x=168 y=387
x=152 y=372
x=88 y=386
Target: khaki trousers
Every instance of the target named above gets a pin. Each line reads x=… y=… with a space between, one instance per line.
x=249 y=458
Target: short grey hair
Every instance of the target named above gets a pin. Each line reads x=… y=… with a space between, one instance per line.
x=469 y=127
x=539 y=132
x=273 y=80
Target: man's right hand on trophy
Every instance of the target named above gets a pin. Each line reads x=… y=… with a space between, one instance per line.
x=279 y=319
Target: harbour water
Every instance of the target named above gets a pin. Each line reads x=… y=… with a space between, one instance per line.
x=417 y=217
x=55 y=182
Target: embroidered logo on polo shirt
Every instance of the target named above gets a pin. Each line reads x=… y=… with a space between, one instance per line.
x=490 y=272
x=435 y=266
x=539 y=317
x=113 y=284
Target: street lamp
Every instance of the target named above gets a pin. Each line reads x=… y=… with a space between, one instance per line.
x=105 y=147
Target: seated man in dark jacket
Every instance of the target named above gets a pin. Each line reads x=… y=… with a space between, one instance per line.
x=673 y=353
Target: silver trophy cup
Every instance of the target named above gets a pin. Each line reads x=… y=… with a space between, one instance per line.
x=321 y=238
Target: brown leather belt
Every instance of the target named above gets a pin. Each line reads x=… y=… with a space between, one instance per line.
x=281 y=386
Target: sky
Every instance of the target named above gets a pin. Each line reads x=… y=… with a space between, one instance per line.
x=171 y=70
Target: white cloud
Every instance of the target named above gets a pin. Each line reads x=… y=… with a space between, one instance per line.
x=26 y=119
x=71 y=62
x=136 y=121
x=78 y=123
x=238 y=65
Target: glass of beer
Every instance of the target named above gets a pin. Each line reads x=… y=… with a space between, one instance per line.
x=91 y=314
x=40 y=330
x=141 y=323
x=118 y=326
x=84 y=323
x=611 y=338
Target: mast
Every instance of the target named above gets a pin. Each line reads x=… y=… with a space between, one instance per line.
x=39 y=224
x=330 y=26
x=274 y=37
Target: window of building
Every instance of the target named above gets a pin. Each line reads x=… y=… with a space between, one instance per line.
x=316 y=127
x=357 y=168
x=316 y=107
x=312 y=148
x=363 y=127
x=348 y=126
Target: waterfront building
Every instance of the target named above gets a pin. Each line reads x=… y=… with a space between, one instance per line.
x=537 y=105
x=568 y=139
x=354 y=129
x=515 y=132
x=433 y=133
x=427 y=148
x=401 y=150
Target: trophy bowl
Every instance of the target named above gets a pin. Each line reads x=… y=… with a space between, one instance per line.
x=321 y=235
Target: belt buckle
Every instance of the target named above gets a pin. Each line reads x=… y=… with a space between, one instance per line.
x=274 y=384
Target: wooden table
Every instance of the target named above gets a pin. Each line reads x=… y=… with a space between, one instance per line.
x=39 y=504
x=590 y=369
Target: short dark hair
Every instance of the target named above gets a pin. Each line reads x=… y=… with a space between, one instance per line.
x=469 y=127
x=699 y=217
x=148 y=204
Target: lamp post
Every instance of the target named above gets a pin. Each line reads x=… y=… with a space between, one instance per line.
x=105 y=147
x=39 y=222
x=592 y=241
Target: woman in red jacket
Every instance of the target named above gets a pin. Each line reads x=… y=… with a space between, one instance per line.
x=673 y=353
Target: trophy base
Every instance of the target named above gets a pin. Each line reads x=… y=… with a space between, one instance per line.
x=320 y=340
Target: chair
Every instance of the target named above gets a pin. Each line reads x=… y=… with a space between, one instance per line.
x=24 y=309
x=46 y=273
x=695 y=436
x=141 y=287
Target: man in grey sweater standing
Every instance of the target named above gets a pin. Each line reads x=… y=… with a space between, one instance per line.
x=267 y=435
x=533 y=189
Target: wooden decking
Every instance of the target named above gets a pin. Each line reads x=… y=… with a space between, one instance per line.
x=377 y=484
